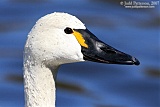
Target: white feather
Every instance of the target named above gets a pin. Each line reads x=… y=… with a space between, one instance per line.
x=47 y=47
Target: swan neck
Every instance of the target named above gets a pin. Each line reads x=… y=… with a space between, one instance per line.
x=39 y=84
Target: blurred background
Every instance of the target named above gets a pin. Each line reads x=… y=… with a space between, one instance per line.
x=134 y=31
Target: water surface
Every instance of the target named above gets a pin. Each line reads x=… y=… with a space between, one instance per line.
x=134 y=31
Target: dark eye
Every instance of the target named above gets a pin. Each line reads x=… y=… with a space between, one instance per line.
x=68 y=30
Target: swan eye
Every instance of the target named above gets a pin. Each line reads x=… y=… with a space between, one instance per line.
x=68 y=30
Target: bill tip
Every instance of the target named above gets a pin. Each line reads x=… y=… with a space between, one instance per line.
x=135 y=61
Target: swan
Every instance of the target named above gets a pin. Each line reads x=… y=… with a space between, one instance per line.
x=59 y=38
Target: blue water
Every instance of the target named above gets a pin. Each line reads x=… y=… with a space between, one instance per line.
x=134 y=31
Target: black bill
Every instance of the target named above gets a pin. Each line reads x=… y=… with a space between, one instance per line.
x=98 y=51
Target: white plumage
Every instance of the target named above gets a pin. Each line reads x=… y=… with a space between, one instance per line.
x=48 y=47
x=56 y=39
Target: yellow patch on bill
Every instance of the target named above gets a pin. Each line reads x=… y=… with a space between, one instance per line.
x=80 y=39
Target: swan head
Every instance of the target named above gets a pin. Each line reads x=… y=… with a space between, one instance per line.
x=60 y=38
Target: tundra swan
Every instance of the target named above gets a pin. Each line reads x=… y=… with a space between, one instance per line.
x=56 y=39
